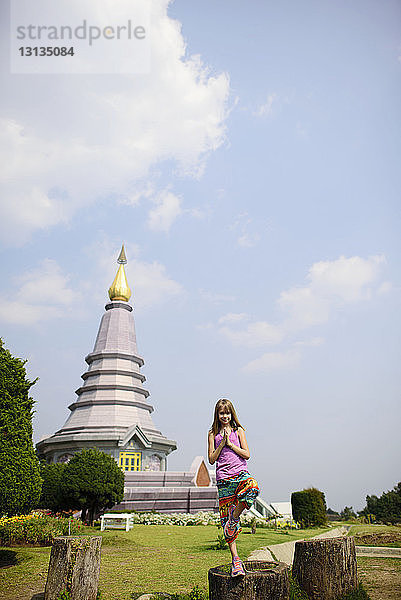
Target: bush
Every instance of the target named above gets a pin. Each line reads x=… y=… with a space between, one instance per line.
x=309 y=507
x=295 y=591
x=36 y=529
x=358 y=594
x=52 y=496
x=386 y=508
x=347 y=514
x=196 y=593
x=200 y=518
x=180 y=519
x=92 y=481
x=184 y=519
x=221 y=542
x=20 y=482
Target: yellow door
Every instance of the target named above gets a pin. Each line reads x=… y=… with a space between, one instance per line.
x=130 y=461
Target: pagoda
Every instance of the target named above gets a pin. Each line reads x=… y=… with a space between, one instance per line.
x=112 y=412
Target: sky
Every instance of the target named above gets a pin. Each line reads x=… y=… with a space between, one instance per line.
x=253 y=176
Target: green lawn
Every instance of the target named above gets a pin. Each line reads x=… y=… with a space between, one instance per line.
x=149 y=558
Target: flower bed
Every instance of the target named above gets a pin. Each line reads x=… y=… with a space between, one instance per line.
x=36 y=529
x=183 y=519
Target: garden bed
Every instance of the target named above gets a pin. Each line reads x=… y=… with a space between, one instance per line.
x=36 y=529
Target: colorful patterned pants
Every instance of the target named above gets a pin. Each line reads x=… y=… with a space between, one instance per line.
x=241 y=488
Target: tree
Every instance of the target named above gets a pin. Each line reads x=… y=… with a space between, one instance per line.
x=347 y=513
x=387 y=508
x=20 y=481
x=319 y=507
x=309 y=507
x=52 y=495
x=332 y=512
x=92 y=481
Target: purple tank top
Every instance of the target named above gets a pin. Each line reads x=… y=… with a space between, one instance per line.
x=229 y=463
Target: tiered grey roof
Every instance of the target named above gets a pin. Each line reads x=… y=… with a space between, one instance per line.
x=112 y=403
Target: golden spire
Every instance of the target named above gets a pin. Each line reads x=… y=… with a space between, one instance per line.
x=120 y=289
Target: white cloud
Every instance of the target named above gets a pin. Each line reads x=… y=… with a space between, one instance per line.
x=303 y=308
x=266 y=109
x=215 y=297
x=243 y=225
x=332 y=284
x=233 y=318
x=43 y=294
x=256 y=334
x=166 y=211
x=312 y=343
x=143 y=190
x=81 y=139
x=349 y=279
x=302 y=130
x=385 y=288
x=271 y=361
x=150 y=283
x=248 y=240
x=47 y=284
x=205 y=327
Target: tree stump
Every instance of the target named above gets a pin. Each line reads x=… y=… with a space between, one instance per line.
x=74 y=567
x=262 y=581
x=326 y=569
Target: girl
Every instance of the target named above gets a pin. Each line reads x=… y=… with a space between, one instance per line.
x=228 y=448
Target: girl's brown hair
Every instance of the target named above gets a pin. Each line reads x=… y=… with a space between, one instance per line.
x=221 y=404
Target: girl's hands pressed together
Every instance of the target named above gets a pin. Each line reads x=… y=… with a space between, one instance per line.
x=227 y=437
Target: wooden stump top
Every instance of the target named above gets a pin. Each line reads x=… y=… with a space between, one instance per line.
x=324 y=541
x=263 y=580
x=251 y=566
x=78 y=537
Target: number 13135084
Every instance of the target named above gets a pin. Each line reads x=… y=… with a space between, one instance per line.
x=46 y=51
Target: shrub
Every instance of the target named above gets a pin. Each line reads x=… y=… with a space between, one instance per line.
x=196 y=593
x=359 y=594
x=221 y=542
x=36 y=529
x=309 y=507
x=180 y=519
x=295 y=591
x=92 y=481
x=199 y=518
x=347 y=514
x=20 y=482
x=386 y=508
x=52 y=496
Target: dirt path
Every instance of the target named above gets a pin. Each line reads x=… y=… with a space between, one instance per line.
x=381 y=577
